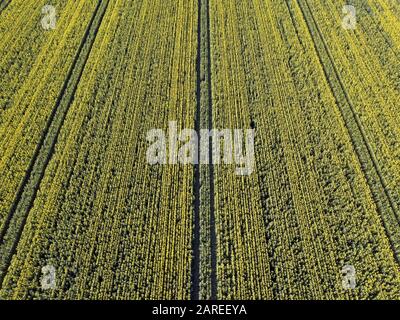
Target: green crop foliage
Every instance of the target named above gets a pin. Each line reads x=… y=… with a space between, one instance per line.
x=77 y=192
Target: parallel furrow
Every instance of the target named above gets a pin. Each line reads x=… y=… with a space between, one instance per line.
x=25 y=196
x=387 y=207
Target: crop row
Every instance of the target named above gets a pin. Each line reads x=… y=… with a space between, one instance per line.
x=77 y=193
x=32 y=96
x=379 y=25
x=373 y=94
x=288 y=231
x=112 y=225
x=25 y=196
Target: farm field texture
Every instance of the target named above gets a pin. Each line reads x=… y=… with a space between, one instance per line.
x=84 y=214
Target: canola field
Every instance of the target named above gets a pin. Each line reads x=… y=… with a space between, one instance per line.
x=84 y=214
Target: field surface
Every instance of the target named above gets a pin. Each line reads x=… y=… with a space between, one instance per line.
x=316 y=217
